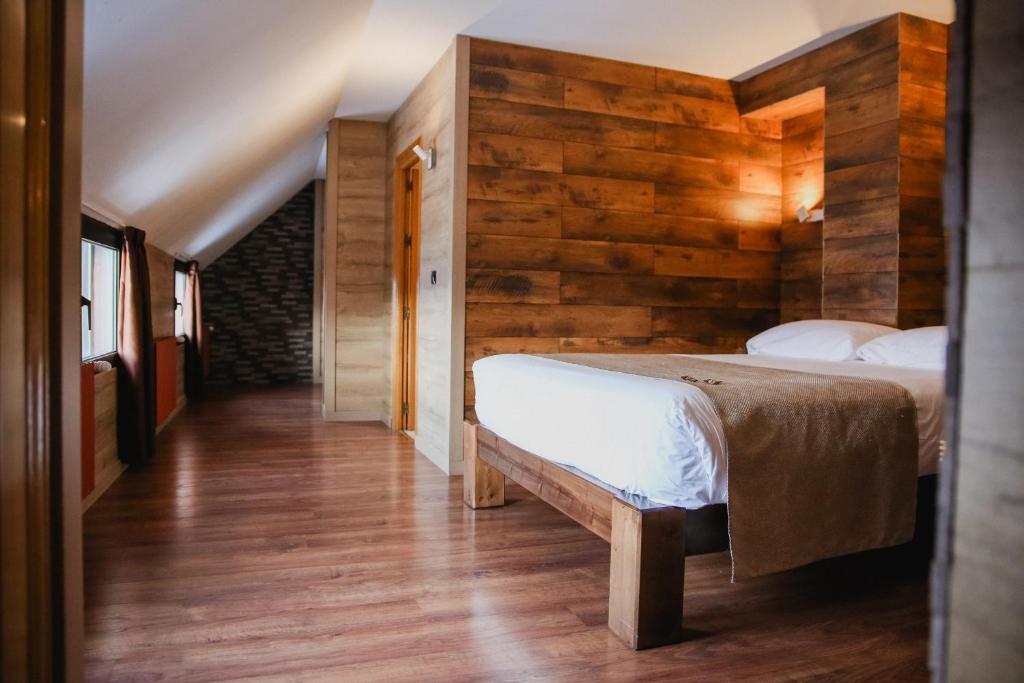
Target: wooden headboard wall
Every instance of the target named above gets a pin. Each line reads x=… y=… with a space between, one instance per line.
x=882 y=243
x=614 y=207
x=620 y=207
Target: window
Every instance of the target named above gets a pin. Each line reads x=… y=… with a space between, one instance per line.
x=100 y=271
x=179 y=302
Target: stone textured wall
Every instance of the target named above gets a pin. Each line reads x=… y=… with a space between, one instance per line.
x=258 y=296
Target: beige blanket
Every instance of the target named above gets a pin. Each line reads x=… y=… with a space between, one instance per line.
x=819 y=465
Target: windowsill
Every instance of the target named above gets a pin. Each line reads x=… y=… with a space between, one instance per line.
x=109 y=357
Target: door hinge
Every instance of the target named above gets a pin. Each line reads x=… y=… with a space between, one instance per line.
x=408 y=185
x=405 y=409
x=408 y=240
x=407 y=313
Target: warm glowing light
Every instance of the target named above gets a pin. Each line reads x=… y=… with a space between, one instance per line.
x=811 y=197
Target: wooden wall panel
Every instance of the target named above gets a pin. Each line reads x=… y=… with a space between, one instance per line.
x=922 y=154
x=883 y=156
x=666 y=202
x=107 y=467
x=803 y=183
x=161 y=290
x=355 y=279
x=604 y=199
x=430 y=115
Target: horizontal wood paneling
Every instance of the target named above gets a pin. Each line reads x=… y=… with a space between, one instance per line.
x=508 y=151
x=513 y=118
x=513 y=218
x=537 y=253
x=600 y=192
x=650 y=105
x=512 y=286
x=707 y=144
x=649 y=290
x=551 y=62
x=651 y=228
x=731 y=263
x=883 y=151
x=534 y=187
x=922 y=152
x=666 y=203
x=556 y=320
x=632 y=164
x=803 y=183
x=515 y=86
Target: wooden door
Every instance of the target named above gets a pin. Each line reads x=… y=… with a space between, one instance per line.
x=405 y=267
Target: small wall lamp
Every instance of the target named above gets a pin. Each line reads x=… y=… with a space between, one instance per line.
x=812 y=216
x=429 y=156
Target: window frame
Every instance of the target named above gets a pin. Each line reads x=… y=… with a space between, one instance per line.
x=179 y=267
x=104 y=235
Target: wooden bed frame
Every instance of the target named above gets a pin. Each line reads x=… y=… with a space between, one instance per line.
x=649 y=541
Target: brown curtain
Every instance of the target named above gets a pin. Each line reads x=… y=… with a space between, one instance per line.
x=195 y=335
x=136 y=386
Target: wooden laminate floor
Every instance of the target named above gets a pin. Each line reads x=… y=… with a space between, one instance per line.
x=264 y=543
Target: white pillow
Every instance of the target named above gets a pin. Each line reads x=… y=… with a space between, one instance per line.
x=816 y=339
x=924 y=347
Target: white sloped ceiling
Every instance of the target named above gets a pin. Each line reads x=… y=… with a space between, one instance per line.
x=203 y=116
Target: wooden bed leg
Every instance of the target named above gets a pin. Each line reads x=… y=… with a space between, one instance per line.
x=645 y=598
x=482 y=485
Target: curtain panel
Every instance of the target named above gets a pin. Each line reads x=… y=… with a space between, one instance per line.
x=195 y=335
x=136 y=386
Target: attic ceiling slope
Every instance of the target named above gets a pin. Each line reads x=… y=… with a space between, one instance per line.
x=200 y=117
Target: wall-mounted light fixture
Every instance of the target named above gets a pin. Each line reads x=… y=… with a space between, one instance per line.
x=812 y=216
x=429 y=156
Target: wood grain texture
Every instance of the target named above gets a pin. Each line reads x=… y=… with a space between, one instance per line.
x=645 y=587
x=598 y=190
x=107 y=467
x=655 y=190
x=922 y=154
x=803 y=184
x=250 y=549
x=161 y=291
x=882 y=145
x=429 y=115
x=482 y=485
x=357 y=326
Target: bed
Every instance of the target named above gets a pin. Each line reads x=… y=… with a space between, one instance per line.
x=642 y=461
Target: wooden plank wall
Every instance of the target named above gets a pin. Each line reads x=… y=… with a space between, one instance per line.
x=161 y=290
x=355 y=277
x=803 y=183
x=428 y=115
x=922 y=253
x=882 y=235
x=107 y=467
x=614 y=207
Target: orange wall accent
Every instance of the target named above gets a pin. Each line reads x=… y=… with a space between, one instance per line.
x=166 y=377
x=88 y=404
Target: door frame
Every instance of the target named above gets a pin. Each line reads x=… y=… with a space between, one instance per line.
x=399 y=353
x=41 y=622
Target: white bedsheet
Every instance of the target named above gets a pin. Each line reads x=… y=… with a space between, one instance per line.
x=652 y=437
